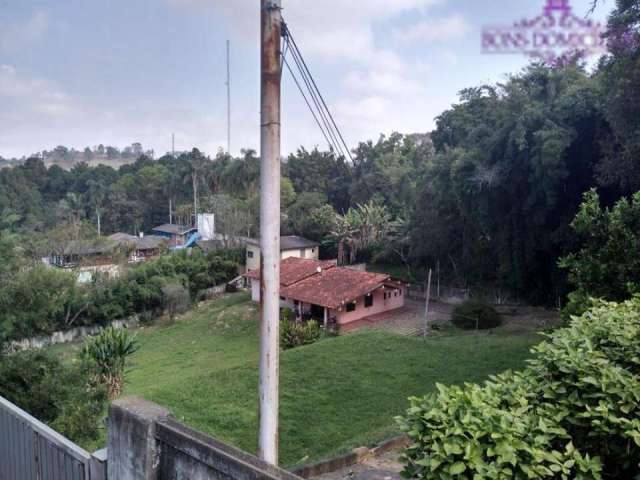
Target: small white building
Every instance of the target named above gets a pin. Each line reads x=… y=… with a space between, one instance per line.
x=290 y=247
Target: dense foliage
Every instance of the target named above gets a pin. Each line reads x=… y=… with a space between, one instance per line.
x=63 y=396
x=606 y=264
x=40 y=300
x=488 y=196
x=475 y=315
x=296 y=334
x=574 y=412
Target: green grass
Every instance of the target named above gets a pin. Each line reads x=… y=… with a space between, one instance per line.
x=336 y=394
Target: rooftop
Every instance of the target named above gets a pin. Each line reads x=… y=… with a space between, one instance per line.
x=323 y=283
x=293 y=270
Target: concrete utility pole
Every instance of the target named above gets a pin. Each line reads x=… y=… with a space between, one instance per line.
x=426 y=308
x=270 y=229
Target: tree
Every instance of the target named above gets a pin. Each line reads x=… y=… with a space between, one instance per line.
x=109 y=352
x=619 y=77
x=510 y=167
x=97 y=195
x=603 y=266
x=176 y=299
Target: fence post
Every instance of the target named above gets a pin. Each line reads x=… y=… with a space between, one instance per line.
x=98 y=465
x=132 y=449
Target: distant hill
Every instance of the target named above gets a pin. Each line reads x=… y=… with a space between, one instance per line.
x=68 y=157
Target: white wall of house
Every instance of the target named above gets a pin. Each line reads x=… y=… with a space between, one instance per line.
x=310 y=253
x=253 y=255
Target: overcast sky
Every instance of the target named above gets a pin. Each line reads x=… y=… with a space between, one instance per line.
x=84 y=72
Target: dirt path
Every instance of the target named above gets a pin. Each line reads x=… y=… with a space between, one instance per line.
x=384 y=467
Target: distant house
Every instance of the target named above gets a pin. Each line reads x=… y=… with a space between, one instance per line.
x=105 y=255
x=177 y=235
x=142 y=247
x=291 y=246
x=87 y=259
x=333 y=295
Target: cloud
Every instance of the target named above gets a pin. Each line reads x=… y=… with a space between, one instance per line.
x=22 y=95
x=433 y=30
x=18 y=35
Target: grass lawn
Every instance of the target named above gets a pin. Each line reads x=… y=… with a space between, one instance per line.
x=336 y=394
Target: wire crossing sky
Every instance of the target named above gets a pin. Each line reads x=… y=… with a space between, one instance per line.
x=82 y=73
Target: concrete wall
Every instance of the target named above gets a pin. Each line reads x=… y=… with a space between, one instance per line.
x=394 y=300
x=310 y=253
x=69 y=336
x=146 y=443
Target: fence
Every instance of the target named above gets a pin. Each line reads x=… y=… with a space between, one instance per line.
x=419 y=292
x=31 y=450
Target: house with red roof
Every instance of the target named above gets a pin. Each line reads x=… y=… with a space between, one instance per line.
x=333 y=295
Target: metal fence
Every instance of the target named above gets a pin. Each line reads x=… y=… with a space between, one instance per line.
x=31 y=450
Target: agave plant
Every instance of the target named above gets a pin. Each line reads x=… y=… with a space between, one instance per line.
x=108 y=352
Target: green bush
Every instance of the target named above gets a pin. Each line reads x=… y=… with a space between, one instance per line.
x=108 y=353
x=473 y=314
x=63 y=396
x=294 y=334
x=573 y=412
x=41 y=300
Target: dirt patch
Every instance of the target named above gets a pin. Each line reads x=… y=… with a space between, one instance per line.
x=383 y=467
x=516 y=319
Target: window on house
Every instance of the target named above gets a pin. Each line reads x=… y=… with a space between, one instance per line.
x=351 y=307
x=249 y=254
x=368 y=301
x=303 y=253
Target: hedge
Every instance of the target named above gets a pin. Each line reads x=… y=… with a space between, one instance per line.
x=573 y=412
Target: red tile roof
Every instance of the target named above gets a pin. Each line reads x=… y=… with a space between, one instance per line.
x=293 y=270
x=332 y=287
x=335 y=287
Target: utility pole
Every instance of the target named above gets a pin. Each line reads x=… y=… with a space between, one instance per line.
x=228 y=97
x=271 y=29
x=173 y=144
x=426 y=308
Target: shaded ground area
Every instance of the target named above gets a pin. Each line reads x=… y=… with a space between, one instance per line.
x=384 y=467
x=409 y=321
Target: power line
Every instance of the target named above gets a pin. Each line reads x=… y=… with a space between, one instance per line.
x=337 y=142
x=315 y=117
x=316 y=101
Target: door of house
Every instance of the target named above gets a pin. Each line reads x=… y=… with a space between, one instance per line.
x=317 y=312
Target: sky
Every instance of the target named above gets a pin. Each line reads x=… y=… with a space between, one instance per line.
x=84 y=72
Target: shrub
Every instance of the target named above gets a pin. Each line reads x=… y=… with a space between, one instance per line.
x=573 y=412
x=108 y=352
x=294 y=334
x=473 y=314
x=63 y=396
x=176 y=299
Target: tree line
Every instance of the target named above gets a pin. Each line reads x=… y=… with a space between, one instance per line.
x=489 y=195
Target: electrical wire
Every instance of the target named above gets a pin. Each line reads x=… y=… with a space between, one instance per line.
x=322 y=115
